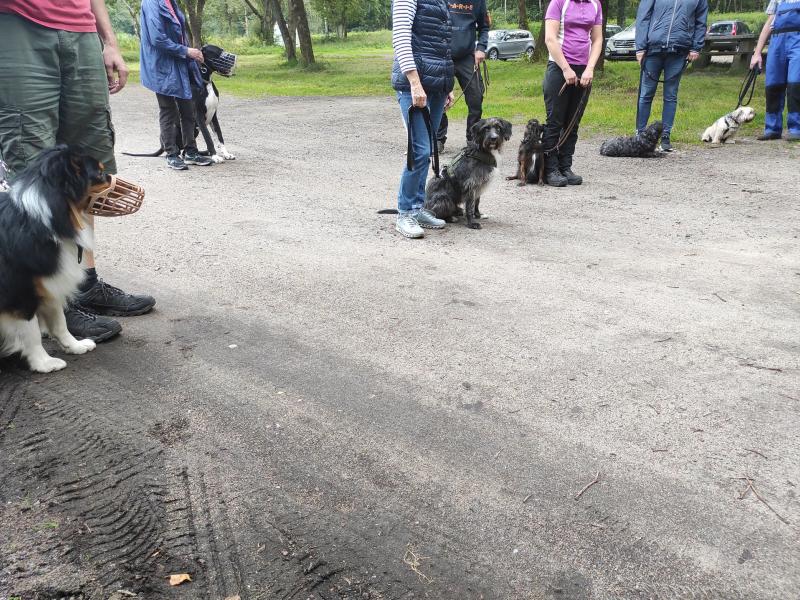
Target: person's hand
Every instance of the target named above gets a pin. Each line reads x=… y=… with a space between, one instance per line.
x=418 y=96
x=451 y=99
x=693 y=55
x=586 y=77
x=639 y=56
x=757 y=61
x=194 y=54
x=116 y=69
x=480 y=56
x=570 y=76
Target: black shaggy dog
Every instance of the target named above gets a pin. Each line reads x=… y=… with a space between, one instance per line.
x=530 y=162
x=636 y=146
x=44 y=229
x=463 y=182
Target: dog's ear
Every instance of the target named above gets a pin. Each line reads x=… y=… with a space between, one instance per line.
x=505 y=127
x=70 y=171
x=476 y=128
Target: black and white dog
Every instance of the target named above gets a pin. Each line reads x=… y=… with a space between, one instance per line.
x=43 y=231
x=635 y=146
x=725 y=128
x=206 y=103
x=464 y=181
x=530 y=161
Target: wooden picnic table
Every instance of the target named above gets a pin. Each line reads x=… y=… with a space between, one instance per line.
x=741 y=47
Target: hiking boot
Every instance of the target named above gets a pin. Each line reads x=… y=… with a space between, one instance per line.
x=407 y=225
x=105 y=299
x=88 y=326
x=176 y=162
x=428 y=220
x=195 y=158
x=765 y=137
x=555 y=178
x=572 y=179
x=666 y=146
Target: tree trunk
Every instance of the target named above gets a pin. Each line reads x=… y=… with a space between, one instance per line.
x=300 y=18
x=621 y=13
x=522 y=17
x=540 y=48
x=266 y=21
x=288 y=39
x=194 y=10
x=134 y=13
x=601 y=62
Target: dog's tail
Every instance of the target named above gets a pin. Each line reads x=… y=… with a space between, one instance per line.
x=158 y=152
x=387 y=211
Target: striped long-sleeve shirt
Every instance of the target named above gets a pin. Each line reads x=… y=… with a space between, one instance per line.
x=403 y=13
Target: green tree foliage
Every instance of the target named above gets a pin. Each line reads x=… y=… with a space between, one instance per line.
x=339 y=14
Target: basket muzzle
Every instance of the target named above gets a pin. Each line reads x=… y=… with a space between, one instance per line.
x=114 y=198
x=224 y=64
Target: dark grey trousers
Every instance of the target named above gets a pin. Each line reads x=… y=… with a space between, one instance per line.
x=560 y=110
x=174 y=113
x=473 y=94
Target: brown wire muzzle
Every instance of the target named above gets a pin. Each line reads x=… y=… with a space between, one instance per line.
x=114 y=198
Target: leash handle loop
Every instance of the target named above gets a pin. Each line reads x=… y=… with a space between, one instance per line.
x=748 y=85
x=426 y=117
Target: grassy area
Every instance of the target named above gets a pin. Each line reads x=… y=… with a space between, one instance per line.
x=361 y=67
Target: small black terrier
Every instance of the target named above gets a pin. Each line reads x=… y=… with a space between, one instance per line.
x=530 y=160
x=465 y=180
x=642 y=145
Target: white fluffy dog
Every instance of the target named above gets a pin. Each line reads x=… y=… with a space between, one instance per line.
x=726 y=127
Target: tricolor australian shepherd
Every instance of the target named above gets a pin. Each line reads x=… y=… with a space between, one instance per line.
x=43 y=231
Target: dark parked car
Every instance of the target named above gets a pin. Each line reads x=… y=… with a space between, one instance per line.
x=622 y=46
x=509 y=43
x=726 y=29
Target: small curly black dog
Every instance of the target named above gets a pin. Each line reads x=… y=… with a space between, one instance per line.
x=530 y=162
x=642 y=145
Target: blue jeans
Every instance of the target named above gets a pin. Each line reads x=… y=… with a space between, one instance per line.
x=411 y=196
x=671 y=65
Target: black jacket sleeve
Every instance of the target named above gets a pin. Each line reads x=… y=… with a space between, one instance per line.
x=482 y=23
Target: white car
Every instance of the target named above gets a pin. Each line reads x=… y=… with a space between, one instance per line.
x=622 y=46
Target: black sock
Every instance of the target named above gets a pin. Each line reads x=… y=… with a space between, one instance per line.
x=88 y=283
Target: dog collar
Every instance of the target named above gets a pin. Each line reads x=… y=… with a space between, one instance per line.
x=485 y=157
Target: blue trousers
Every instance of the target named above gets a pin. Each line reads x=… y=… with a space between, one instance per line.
x=411 y=196
x=670 y=64
x=782 y=81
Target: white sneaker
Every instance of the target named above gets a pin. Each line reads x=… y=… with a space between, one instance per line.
x=407 y=225
x=427 y=219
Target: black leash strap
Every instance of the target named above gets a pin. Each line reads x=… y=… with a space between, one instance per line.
x=484 y=81
x=575 y=117
x=426 y=116
x=748 y=85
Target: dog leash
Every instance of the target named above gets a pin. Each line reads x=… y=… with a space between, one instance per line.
x=643 y=71
x=426 y=117
x=485 y=81
x=748 y=85
x=574 y=121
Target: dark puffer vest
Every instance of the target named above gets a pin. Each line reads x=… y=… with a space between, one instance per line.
x=430 y=41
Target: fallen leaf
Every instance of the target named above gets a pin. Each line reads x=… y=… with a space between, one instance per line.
x=179 y=578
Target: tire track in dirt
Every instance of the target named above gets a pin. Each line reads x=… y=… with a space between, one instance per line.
x=121 y=503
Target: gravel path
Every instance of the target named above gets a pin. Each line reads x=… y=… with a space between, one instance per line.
x=319 y=408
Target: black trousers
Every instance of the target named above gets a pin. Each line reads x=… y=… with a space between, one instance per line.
x=560 y=110
x=174 y=113
x=473 y=94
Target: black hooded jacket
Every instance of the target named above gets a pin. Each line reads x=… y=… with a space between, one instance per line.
x=468 y=16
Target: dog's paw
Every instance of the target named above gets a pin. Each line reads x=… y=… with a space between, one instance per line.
x=474 y=225
x=47 y=365
x=80 y=347
x=223 y=152
x=216 y=159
